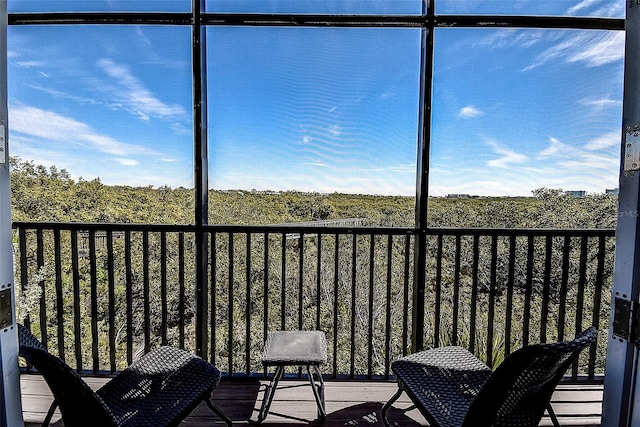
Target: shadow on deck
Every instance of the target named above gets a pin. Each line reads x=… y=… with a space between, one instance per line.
x=348 y=403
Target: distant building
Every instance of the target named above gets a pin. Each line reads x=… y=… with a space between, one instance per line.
x=458 y=196
x=612 y=191
x=575 y=193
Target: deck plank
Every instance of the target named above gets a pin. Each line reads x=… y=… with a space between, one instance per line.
x=347 y=403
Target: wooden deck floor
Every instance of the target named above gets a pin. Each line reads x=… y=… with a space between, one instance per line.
x=348 y=403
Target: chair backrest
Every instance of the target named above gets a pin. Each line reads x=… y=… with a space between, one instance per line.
x=78 y=403
x=520 y=389
x=26 y=339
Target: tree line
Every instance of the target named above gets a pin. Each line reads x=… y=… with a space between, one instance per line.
x=363 y=304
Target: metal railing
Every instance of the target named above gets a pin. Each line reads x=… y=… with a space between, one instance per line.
x=108 y=292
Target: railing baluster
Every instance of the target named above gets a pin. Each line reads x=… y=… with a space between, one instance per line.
x=94 y=300
x=510 y=286
x=438 y=296
x=597 y=302
x=230 y=303
x=544 y=312
x=181 y=290
x=474 y=295
x=164 y=316
x=76 y=300
x=528 y=291
x=492 y=297
x=352 y=351
x=214 y=296
x=41 y=285
x=59 y=293
x=300 y=286
x=336 y=290
x=456 y=290
x=300 y=279
x=248 y=306
x=405 y=296
x=283 y=284
x=24 y=272
x=129 y=295
x=564 y=285
x=318 y=280
x=387 y=341
x=582 y=278
x=265 y=305
x=112 y=302
x=370 y=308
x=146 y=298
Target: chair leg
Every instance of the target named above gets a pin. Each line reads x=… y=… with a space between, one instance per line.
x=269 y=393
x=552 y=415
x=318 y=390
x=218 y=412
x=387 y=405
x=50 y=412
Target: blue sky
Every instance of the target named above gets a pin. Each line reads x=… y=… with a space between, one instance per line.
x=323 y=109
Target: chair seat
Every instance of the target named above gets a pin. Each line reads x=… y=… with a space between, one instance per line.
x=165 y=384
x=443 y=380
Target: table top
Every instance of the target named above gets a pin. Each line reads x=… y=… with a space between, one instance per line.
x=295 y=348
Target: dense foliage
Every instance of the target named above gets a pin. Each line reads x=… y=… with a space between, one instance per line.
x=356 y=287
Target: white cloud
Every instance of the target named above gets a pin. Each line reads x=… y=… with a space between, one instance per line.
x=594 y=161
x=607 y=48
x=47 y=125
x=592 y=48
x=509 y=37
x=607 y=8
x=555 y=149
x=180 y=129
x=507 y=157
x=142 y=36
x=600 y=103
x=131 y=94
x=578 y=155
x=63 y=95
x=126 y=162
x=469 y=112
x=28 y=64
x=615 y=9
x=334 y=130
x=605 y=141
x=584 y=4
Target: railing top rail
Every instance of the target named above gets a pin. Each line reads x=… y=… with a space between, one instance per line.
x=561 y=232
x=87 y=226
x=305 y=228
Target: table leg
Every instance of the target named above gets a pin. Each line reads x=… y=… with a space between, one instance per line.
x=269 y=392
x=318 y=390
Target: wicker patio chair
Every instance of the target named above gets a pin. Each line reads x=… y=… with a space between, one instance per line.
x=452 y=388
x=159 y=389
